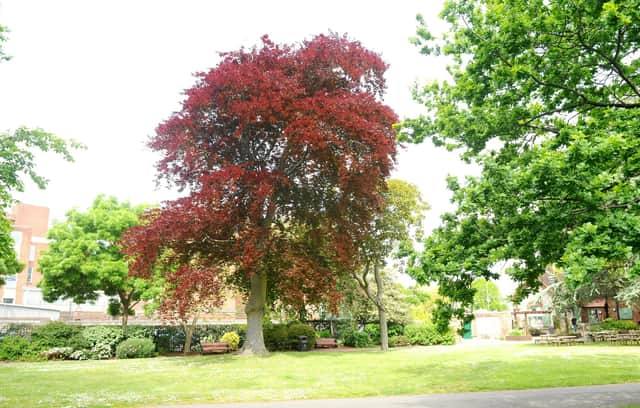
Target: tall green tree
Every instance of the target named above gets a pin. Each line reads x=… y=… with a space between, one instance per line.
x=391 y=235
x=17 y=151
x=487 y=296
x=84 y=258
x=545 y=96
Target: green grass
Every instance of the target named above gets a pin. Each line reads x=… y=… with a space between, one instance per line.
x=284 y=376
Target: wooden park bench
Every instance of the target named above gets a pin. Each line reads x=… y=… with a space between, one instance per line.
x=208 y=348
x=326 y=342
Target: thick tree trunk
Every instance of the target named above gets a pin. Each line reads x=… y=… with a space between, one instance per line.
x=606 y=307
x=384 y=333
x=254 y=344
x=617 y=309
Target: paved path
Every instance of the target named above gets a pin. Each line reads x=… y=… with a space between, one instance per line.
x=617 y=395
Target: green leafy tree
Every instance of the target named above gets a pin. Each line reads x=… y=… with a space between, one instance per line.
x=84 y=258
x=545 y=96
x=17 y=151
x=422 y=301
x=392 y=234
x=358 y=306
x=487 y=296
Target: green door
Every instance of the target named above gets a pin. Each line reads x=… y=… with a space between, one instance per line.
x=467 y=331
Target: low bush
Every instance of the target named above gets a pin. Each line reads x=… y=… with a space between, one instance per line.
x=136 y=348
x=15 y=347
x=103 y=340
x=232 y=339
x=427 y=335
x=535 y=332
x=80 y=355
x=356 y=338
x=276 y=337
x=54 y=334
x=300 y=329
x=395 y=329
x=58 y=353
x=611 y=324
x=399 y=341
x=139 y=332
x=323 y=334
x=516 y=332
x=373 y=330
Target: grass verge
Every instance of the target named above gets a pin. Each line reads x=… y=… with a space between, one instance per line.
x=286 y=376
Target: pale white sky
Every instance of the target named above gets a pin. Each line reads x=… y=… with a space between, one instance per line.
x=107 y=72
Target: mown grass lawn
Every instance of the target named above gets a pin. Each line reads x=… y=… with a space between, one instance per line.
x=285 y=376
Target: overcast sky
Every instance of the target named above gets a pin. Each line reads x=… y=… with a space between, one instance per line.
x=106 y=73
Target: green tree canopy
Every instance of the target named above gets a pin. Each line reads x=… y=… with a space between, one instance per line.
x=487 y=296
x=84 y=258
x=391 y=234
x=545 y=96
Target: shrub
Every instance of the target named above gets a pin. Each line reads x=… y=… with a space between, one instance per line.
x=207 y=339
x=300 y=329
x=427 y=335
x=139 y=332
x=79 y=342
x=14 y=347
x=58 y=353
x=373 y=330
x=101 y=351
x=276 y=337
x=398 y=341
x=535 y=332
x=103 y=340
x=80 y=355
x=54 y=334
x=326 y=333
x=611 y=324
x=395 y=329
x=232 y=339
x=136 y=348
x=516 y=332
x=356 y=338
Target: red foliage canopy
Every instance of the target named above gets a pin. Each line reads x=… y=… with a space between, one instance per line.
x=283 y=150
x=191 y=291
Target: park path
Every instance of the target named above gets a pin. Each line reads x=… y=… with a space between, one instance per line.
x=605 y=396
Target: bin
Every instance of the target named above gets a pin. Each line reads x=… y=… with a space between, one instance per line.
x=303 y=343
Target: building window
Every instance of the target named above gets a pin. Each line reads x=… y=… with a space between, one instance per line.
x=17 y=240
x=29 y=273
x=625 y=313
x=7 y=301
x=32 y=253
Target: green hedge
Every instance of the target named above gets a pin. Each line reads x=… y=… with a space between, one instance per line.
x=611 y=324
x=427 y=335
x=30 y=342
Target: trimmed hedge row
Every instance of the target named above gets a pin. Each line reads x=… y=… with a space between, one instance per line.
x=413 y=334
x=60 y=340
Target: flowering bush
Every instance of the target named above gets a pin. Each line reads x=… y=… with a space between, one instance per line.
x=232 y=339
x=136 y=348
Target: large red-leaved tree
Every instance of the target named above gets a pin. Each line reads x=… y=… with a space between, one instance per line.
x=283 y=150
